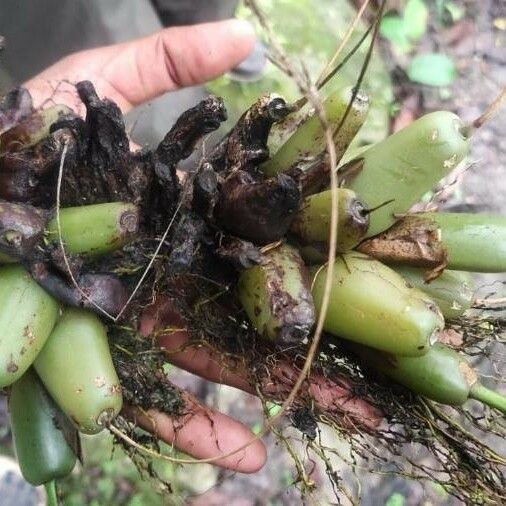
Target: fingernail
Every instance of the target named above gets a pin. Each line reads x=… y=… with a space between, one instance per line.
x=241 y=28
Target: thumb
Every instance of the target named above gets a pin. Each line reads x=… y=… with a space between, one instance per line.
x=176 y=57
x=137 y=71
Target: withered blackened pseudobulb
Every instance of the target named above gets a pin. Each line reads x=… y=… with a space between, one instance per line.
x=185 y=243
x=240 y=200
x=245 y=146
x=259 y=211
x=106 y=171
x=189 y=128
x=32 y=129
x=30 y=175
x=205 y=191
x=180 y=142
x=21 y=228
x=238 y=252
x=103 y=290
x=312 y=176
x=101 y=171
x=107 y=139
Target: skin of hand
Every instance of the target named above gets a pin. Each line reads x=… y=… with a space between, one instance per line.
x=131 y=74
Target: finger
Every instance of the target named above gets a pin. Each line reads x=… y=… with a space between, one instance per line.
x=327 y=395
x=177 y=57
x=204 y=433
x=161 y=318
x=138 y=71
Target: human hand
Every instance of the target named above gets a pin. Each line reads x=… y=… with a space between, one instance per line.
x=130 y=74
x=135 y=72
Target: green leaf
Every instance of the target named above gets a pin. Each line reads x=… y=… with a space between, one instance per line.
x=395 y=499
x=415 y=19
x=393 y=29
x=432 y=69
x=456 y=11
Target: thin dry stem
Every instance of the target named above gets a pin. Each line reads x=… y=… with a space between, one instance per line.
x=491 y=110
x=328 y=68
